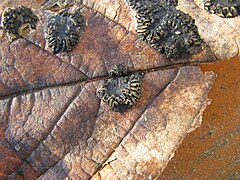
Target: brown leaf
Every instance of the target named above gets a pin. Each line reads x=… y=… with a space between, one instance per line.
x=104 y=43
x=9 y=160
x=150 y=144
x=58 y=128
x=221 y=35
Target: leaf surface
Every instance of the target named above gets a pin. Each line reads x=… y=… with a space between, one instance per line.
x=53 y=125
x=220 y=34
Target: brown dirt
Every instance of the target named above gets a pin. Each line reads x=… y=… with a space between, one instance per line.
x=213 y=150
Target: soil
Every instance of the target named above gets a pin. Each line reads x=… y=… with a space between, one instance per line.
x=213 y=150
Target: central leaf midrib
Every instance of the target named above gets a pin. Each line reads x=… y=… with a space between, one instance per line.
x=72 y=83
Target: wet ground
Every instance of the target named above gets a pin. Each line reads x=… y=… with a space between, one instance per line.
x=213 y=150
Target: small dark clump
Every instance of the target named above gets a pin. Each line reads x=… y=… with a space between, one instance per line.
x=122 y=91
x=137 y=5
x=16 y=20
x=223 y=8
x=166 y=29
x=64 y=30
x=118 y=70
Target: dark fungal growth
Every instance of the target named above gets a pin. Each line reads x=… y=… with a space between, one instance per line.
x=223 y=8
x=118 y=70
x=122 y=91
x=139 y=5
x=17 y=20
x=64 y=30
x=170 y=33
x=166 y=29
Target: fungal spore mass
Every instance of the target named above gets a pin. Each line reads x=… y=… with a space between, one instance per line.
x=18 y=21
x=123 y=90
x=64 y=30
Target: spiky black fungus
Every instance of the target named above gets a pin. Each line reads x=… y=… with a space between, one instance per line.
x=64 y=30
x=122 y=91
x=137 y=5
x=166 y=29
x=16 y=20
x=170 y=32
x=223 y=8
x=118 y=70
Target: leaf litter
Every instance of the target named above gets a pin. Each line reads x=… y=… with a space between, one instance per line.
x=82 y=138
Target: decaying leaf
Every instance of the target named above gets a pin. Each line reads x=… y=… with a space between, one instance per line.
x=220 y=34
x=54 y=126
x=104 y=43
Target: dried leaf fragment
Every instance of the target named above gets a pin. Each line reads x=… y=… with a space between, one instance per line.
x=60 y=128
x=149 y=145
